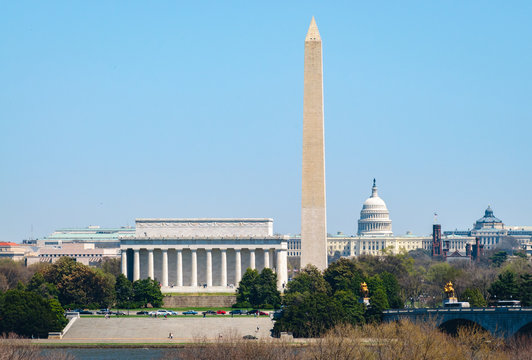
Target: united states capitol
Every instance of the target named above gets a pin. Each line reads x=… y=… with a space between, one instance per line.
x=375 y=235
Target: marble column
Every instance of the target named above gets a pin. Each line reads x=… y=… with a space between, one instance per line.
x=238 y=266
x=179 y=263
x=136 y=265
x=224 y=267
x=124 y=261
x=165 y=268
x=194 y=273
x=282 y=271
x=150 y=264
x=209 y=267
x=252 y=259
x=266 y=258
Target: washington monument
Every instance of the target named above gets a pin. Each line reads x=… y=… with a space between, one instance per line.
x=313 y=209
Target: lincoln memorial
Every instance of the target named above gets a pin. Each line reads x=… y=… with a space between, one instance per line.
x=202 y=255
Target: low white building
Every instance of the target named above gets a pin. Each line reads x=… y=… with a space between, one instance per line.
x=202 y=255
x=92 y=234
x=13 y=251
x=85 y=253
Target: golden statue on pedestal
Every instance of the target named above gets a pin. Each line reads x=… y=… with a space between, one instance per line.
x=365 y=293
x=449 y=290
x=364 y=290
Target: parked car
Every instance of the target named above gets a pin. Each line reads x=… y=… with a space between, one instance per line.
x=253 y=312
x=209 y=312
x=117 y=313
x=143 y=313
x=221 y=312
x=236 y=312
x=83 y=312
x=190 y=312
x=103 y=311
x=161 y=312
x=249 y=337
x=262 y=313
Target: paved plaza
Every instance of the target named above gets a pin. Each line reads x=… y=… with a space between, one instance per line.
x=148 y=329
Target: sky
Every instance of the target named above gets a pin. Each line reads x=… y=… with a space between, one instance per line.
x=111 y=111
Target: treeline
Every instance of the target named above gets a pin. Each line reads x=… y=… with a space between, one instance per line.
x=315 y=301
x=33 y=299
x=496 y=276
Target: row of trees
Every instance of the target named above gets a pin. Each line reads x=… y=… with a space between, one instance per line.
x=35 y=304
x=315 y=302
x=421 y=278
x=76 y=285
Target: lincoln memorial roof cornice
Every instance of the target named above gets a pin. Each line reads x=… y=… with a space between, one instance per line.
x=210 y=220
x=259 y=242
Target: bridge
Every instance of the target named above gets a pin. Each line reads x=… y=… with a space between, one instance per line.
x=502 y=322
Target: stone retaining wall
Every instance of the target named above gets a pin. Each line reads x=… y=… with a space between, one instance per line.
x=199 y=301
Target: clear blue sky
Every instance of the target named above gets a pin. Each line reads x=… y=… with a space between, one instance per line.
x=111 y=111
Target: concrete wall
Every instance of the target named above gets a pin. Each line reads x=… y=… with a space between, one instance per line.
x=199 y=301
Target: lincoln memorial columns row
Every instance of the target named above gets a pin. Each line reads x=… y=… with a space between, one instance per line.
x=214 y=270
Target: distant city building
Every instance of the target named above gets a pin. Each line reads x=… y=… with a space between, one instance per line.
x=100 y=237
x=349 y=245
x=13 y=251
x=491 y=232
x=85 y=253
x=444 y=248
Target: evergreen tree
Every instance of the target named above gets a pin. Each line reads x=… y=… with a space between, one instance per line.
x=266 y=288
x=124 y=292
x=147 y=291
x=474 y=297
x=525 y=290
x=499 y=258
x=352 y=310
x=505 y=287
x=377 y=304
x=344 y=274
x=309 y=314
x=309 y=279
x=28 y=314
x=392 y=289
x=258 y=290
x=246 y=293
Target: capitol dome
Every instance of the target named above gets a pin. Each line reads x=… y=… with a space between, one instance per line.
x=374 y=217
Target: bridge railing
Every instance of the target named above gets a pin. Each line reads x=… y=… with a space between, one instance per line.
x=452 y=310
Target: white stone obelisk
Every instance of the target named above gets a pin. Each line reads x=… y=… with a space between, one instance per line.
x=313 y=209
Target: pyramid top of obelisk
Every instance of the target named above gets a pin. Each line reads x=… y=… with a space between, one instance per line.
x=313 y=33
